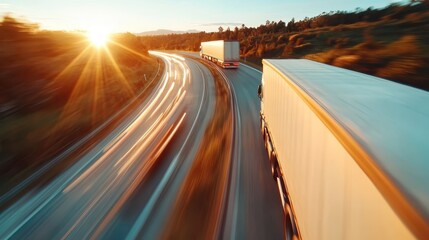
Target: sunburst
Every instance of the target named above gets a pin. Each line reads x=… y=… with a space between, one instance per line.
x=98 y=36
x=97 y=66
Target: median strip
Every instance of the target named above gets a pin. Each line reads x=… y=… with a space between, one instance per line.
x=199 y=203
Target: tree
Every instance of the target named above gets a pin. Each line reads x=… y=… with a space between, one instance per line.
x=291 y=26
x=236 y=33
x=280 y=26
x=228 y=34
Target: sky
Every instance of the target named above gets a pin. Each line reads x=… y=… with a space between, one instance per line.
x=143 y=15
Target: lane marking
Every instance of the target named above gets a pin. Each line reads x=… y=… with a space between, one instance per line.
x=57 y=191
x=237 y=142
x=141 y=220
x=242 y=64
x=127 y=132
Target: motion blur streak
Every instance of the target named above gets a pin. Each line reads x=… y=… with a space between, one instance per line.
x=253 y=198
x=128 y=184
x=141 y=175
x=163 y=99
x=118 y=140
x=87 y=199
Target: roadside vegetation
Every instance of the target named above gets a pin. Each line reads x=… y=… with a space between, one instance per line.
x=55 y=88
x=390 y=42
x=203 y=191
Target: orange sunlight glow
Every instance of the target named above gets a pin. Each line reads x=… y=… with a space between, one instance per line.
x=95 y=66
x=98 y=36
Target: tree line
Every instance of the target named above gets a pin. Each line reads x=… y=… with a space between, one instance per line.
x=250 y=38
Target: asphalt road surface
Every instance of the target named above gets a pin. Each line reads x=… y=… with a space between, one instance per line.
x=126 y=185
x=254 y=210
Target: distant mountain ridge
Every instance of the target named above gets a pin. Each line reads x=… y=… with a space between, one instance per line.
x=165 y=32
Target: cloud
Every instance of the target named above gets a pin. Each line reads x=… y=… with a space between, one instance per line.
x=221 y=24
x=4 y=5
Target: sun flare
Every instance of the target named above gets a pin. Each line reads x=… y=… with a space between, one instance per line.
x=98 y=37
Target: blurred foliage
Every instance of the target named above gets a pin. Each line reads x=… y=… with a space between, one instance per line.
x=200 y=196
x=390 y=42
x=55 y=87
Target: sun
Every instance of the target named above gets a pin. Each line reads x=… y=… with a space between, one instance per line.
x=98 y=36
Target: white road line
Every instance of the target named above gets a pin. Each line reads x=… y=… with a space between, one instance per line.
x=59 y=190
x=245 y=65
x=142 y=218
x=237 y=156
x=46 y=167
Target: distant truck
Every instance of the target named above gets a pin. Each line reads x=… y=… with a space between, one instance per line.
x=349 y=152
x=224 y=53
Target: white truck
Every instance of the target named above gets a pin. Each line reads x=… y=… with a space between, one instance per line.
x=224 y=53
x=349 y=152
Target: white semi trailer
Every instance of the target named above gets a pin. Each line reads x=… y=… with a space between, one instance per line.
x=349 y=152
x=224 y=53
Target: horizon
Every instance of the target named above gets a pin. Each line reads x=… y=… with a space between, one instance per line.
x=120 y=17
x=285 y=128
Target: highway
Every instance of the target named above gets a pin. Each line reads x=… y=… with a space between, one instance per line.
x=254 y=210
x=126 y=186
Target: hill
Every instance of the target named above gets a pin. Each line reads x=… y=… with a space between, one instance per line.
x=164 y=32
x=390 y=42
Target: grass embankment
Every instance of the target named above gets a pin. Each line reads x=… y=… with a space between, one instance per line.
x=197 y=210
x=395 y=50
x=55 y=88
x=389 y=50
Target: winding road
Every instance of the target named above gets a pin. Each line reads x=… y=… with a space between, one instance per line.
x=255 y=210
x=126 y=186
